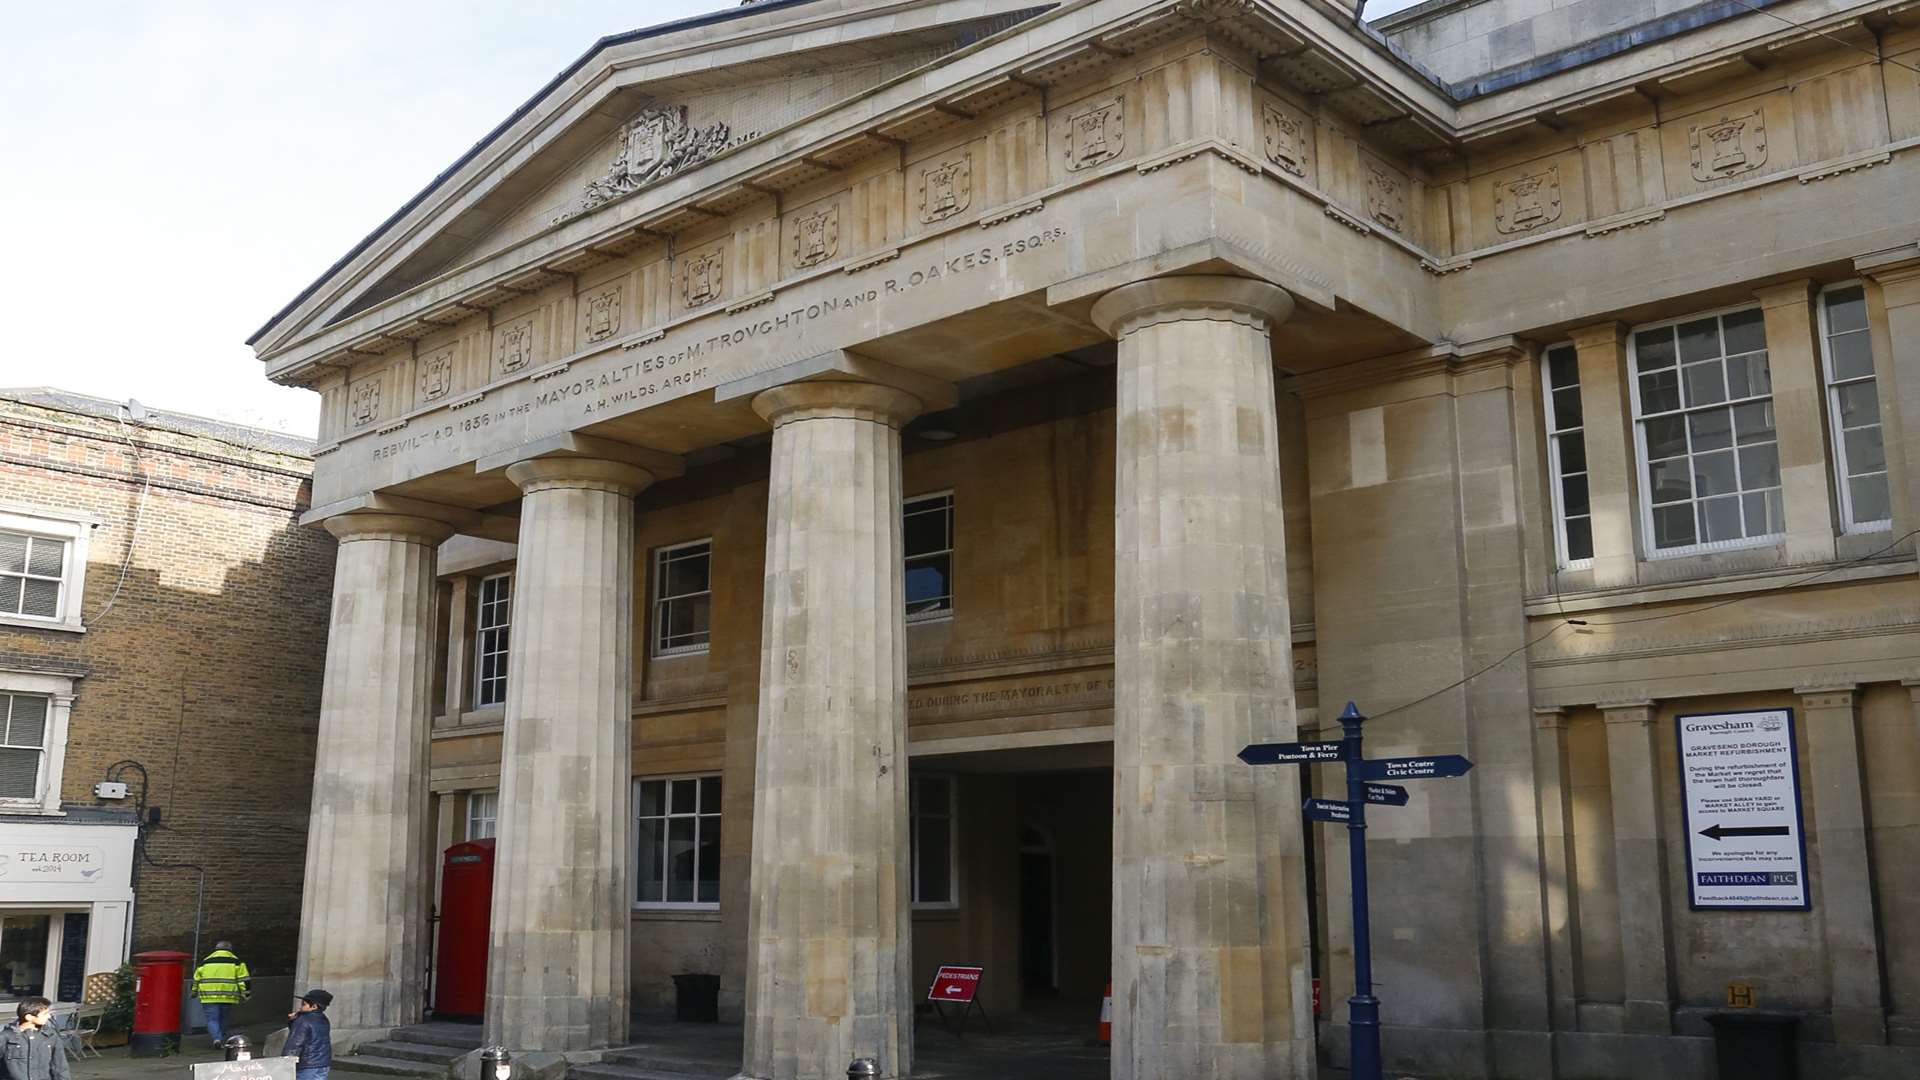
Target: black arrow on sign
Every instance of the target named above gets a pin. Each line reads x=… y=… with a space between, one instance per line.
x=1715 y=832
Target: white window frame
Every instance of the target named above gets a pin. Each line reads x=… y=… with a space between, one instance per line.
x=633 y=844
x=657 y=629
x=480 y=630
x=492 y=820
x=1554 y=431
x=53 y=754
x=1843 y=491
x=906 y=510
x=953 y=843
x=1650 y=550
x=74 y=531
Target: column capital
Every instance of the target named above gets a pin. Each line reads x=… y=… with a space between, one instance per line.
x=592 y=474
x=1627 y=712
x=1189 y=297
x=400 y=528
x=1896 y=266
x=1795 y=293
x=817 y=399
x=1599 y=335
x=1828 y=690
x=1549 y=716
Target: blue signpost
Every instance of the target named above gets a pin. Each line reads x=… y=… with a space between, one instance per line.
x=1363 y=1009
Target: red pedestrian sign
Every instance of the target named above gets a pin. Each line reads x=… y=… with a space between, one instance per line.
x=955 y=983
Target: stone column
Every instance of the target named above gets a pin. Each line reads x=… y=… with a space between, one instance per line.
x=829 y=955
x=1893 y=309
x=363 y=915
x=1612 y=482
x=1846 y=882
x=1210 y=968
x=562 y=892
x=1800 y=417
x=1640 y=868
x=459 y=670
x=1554 y=791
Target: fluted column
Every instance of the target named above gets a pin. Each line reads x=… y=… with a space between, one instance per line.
x=1210 y=969
x=363 y=916
x=829 y=976
x=562 y=895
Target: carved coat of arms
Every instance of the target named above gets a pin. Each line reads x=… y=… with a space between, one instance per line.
x=1728 y=147
x=436 y=374
x=946 y=188
x=816 y=236
x=653 y=146
x=1095 y=134
x=513 y=346
x=1286 y=139
x=1386 y=197
x=602 y=314
x=1527 y=201
x=700 y=282
x=363 y=401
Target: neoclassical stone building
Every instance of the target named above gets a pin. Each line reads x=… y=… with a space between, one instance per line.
x=829 y=486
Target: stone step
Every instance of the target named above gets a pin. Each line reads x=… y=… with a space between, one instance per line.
x=368 y=1064
x=610 y=1070
x=696 y=1062
x=465 y=1036
x=436 y=1054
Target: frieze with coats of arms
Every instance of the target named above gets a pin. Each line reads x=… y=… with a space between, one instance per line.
x=654 y=146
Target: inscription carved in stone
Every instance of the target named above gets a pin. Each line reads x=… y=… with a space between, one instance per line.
x=816 y=236
x=602 y=313
x=946 y=188
x=653 y=146
x=1527 y=201
x=363 y=401
x=436 y=374
x=1728 y=147
x=1095 y=134
x=1386 y=196
x=513 y=346
x=700 y=281
x=1286 y=139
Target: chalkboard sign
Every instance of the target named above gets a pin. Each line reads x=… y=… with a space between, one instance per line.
x=73 y=957
x=273 y=1068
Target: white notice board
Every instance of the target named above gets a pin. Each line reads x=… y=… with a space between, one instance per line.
x=1740 y=811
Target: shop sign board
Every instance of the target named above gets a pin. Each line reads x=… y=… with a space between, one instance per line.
x=33 y=860
x=1740 y=811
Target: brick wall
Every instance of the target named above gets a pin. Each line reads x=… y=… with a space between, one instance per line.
x=203 y=663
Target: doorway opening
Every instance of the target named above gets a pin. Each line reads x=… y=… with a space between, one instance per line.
x=1039 y=919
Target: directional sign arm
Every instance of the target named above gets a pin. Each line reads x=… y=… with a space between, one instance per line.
x=1716 y=832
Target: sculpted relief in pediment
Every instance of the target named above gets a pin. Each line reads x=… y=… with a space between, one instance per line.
x=654 y=146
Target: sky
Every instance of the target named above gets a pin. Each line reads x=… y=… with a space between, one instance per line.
x=175 y=171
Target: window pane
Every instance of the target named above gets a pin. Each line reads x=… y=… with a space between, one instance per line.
x=10 y=595
x=926 y=581
x=1566 y=409
x=926 y=532
x=1720 y=519
x=936 y=878
x=709 y=794
x=1573 y=495
x=1746 y=331
x=1563 y=367
x=1579 y=538
x=13 y=553
x=1760 y=466
x=684 y=794
x=29 y=725
x=709 y=863
x=1699 y=340
x=1712 y=430
x=1753 y=422
x=651 y=885
x=686 y=574
x=48 y=557
x=653 y=795
x=680 y=855
x=1852 y=355
x=1748 y=376
x=1653 y=349
x=1846 y=309
x=1666 y=437
x=1659 y=392
x=40 y=597
x=1673 y=525
x=1859 y=404
x=1670 y=480
x=1870 y=498
x=1713 y=474
x=1865 y=452
x=1706 y=383
x=1573 y=452
x=1765 y=513
x=19 y=774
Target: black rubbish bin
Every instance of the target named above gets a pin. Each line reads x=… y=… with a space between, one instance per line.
x=1753 y=1045
x=696 y=997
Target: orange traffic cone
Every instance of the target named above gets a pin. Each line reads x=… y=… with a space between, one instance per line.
x=1106 y=1016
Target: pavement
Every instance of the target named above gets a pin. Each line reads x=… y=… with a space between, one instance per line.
x=115 y=1063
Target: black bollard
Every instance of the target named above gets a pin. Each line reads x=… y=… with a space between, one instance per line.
x=238 y=1048
x=861 y=1069
x=496 y=1063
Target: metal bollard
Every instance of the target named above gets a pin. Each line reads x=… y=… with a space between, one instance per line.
x=238 y=1048
x=861 y=1068
x=496 y=1063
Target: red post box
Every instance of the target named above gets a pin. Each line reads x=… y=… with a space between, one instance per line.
x=466 y=911
x=158 y=979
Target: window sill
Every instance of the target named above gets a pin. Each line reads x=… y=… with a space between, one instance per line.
x=937 y=912
x=29 y=622
x=28 y=809
x=708 y=913
x=930 y=617
x=682 y=653
x=1711 y=583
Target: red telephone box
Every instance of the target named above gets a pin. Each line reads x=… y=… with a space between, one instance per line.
x=158 y=978
x=466 y=910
